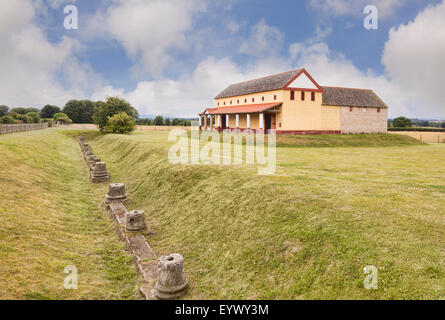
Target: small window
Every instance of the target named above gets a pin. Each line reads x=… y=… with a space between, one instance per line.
x=218 y=104
x=292 y=95
x=302 y=95
x=230 y=101
x=351 y=109
x=378 y=110
x=224 y=103
x=275 y=97
x=245 y=100
x=237 y=101
x=263 y=98
x=313 y=96
x=253 y=99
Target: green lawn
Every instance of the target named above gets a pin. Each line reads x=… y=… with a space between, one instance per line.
x=50 y=218
x=306 y=232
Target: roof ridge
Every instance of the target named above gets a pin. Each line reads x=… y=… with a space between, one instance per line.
x=347 y=88
x=271 y=75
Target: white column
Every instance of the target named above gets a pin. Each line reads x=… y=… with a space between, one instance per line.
x=261 y=120
x=219 y=121
x=200 y=120
x=237 y=121
x=227 y=121
x=248 y=121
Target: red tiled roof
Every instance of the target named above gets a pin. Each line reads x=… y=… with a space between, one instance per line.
x=251 y=108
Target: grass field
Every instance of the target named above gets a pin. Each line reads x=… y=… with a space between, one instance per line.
x=306 y=232
x=50 y=218
x=428 y=137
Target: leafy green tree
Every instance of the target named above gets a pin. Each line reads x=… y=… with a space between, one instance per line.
x=34 y=116
x=158 y=121
x=402 y=122
x=120 y=123
x=6 y=120
x=49 y=111
x=167 y=122
x=24 y=110
x=19 y=110
x=113 y=105
x=80 y=111
x=4 y=110
x=61 y=117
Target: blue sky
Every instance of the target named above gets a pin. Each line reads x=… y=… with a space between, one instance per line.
x=172 y=57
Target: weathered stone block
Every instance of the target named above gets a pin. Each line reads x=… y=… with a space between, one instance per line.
x=136 y=221
x=172 y=281
x=116 y=193
x=100 y=173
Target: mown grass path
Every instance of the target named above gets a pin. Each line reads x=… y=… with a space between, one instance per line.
x=50 y=218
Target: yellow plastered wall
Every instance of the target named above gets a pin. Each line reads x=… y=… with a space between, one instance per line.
x=330 y=118
x=268 y=98
x=295 y=114
x=254 y=121
x=300 y=115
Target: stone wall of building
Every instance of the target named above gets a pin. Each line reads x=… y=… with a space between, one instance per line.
x=364 y=120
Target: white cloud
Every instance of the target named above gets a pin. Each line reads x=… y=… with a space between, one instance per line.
x=31 y=65
x=191 y=94
x=354 y=7
x=414 y=58
x=264 y=40
x=150 y=30
x=333 y=69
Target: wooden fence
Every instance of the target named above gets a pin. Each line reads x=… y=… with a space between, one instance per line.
x=11 y=128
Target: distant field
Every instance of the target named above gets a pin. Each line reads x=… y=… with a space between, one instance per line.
x=307 y=231
x=50 y=218
x=428 y=137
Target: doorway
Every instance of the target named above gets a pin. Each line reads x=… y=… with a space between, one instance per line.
x=270 y=121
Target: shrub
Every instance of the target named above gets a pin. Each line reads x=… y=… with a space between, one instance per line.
x=7 y=120
x=113 y=106
x=23 y=118
x=61 y=117
x=120 y=123
x=34 y=116
x=417 y=129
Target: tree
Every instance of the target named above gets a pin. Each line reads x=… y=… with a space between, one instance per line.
x=120 y=123
x=61 y=117
x=158 y=121
x=167 y=122
x=49 y=111
x=24 y=110
x=80 y=111
x=402 y=122
x=113 y=105
x=4 y=110
x=19 y=110
x=34 y=116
